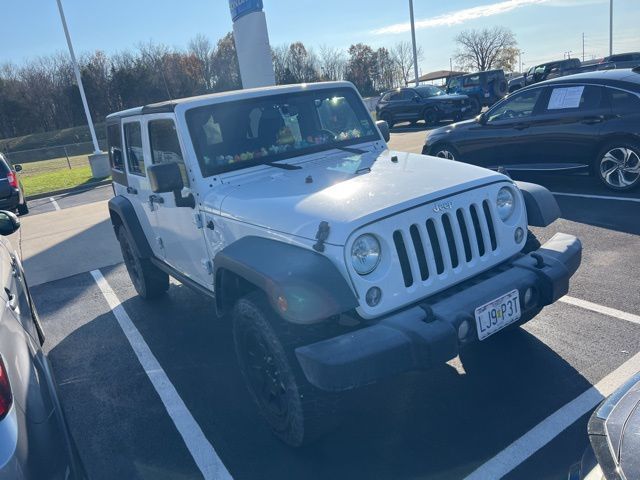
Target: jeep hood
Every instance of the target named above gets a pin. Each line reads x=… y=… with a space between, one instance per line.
x=344 y=189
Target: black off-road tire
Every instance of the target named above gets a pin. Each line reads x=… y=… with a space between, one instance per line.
x=148 y=280
x=23 y=208
x=430 y=117
x=387 y=117
x=476 y=107
x=296 y=411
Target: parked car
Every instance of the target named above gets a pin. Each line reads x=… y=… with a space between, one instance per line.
x=483 y=88
x=550 y=70
x=428 y=103
x=338 y=262
x=34 y=439
x=614 y=427
x=11 y=190
x=588 y=122
x=622 y=60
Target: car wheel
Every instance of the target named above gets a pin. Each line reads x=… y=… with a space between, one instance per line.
x=296 y=411
x=148 y=280
x=387 y=118
x=475 y=106
x=23 y=208
x=430 y=117
x=618 y=165
x=445 y=151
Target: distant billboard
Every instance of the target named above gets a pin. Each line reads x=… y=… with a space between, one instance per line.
x=240 y=8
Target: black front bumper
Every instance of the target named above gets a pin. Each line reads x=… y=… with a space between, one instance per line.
x=432 y=331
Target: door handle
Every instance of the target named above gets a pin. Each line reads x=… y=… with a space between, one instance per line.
x=521 y=126
x=11 y=303
x=592 y=120
x=132 y=191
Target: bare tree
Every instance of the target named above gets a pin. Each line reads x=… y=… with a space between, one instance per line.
x=402 y=54
x=203 y=50
x=486 y=49
x=332 y=63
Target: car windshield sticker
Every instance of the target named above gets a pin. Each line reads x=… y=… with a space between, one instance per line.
x=565 y=98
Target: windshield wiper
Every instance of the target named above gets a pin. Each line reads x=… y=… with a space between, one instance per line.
x=284 y=166
x=352 y=150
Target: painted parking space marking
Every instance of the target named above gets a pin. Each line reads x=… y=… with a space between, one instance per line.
x=600 y=197
x=594 y=307
x=199 y=447
x=54 y=203
x=536 y=438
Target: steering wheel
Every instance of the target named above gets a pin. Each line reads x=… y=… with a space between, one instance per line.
x=510 y=114
x=329 y=133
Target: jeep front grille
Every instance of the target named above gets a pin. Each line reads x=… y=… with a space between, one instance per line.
x=445 y=242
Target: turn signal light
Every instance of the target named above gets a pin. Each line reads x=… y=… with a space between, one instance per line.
x=6 y=399
x=13 y=180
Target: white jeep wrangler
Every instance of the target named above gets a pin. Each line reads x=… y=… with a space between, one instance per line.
x=340 y=262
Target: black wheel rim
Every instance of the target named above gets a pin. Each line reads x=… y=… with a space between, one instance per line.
x=131 y=262
x=265 y=378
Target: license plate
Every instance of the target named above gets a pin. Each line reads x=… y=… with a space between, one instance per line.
x=497 y=314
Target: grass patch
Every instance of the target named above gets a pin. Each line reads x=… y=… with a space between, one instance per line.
x=46 y=166
x=50 y=181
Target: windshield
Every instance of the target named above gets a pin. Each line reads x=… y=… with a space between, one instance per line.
x=235 y=135
x=429 y=91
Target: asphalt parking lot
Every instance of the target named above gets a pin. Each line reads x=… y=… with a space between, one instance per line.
x=151 y=389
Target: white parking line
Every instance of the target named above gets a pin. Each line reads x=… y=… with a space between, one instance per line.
x=536 y=438
x=594 y=307
x=601 y=197
x=54 y=203
x=200 y=448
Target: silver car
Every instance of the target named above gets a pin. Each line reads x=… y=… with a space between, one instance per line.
x=34 y=440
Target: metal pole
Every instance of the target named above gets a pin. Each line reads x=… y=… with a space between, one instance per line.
x=413 y=40
x=79 y=80
x=583 y=46
x=610 y=27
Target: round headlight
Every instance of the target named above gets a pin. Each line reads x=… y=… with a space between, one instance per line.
x=365 y=254
x=505 y=203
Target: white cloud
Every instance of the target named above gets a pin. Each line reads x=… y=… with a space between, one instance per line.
x=461 y=16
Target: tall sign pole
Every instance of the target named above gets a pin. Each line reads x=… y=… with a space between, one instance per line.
x=252 y=43
x=413 y=41
x=96 y=147
x=610 y=27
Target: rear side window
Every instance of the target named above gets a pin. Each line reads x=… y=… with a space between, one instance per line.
x=133 y=143
x=581 y=98
x=472 y=81
x=165 y=146
x=114 y=140
x=624 y=101
x=4 y=167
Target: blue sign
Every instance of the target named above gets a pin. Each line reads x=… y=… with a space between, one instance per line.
x=240 y=8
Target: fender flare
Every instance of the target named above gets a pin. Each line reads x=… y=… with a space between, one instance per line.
x=122 y=212
x=542 y=208
x=302 y=286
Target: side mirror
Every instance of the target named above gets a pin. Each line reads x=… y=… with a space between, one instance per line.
x=416 y=99
x=17 y=168
x=481 y=119
x=384 y=129
x=9 y=223
x=165 y=177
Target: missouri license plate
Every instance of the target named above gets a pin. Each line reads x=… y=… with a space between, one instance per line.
x=497 y=314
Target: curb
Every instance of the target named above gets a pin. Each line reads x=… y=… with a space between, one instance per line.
x=86 y=188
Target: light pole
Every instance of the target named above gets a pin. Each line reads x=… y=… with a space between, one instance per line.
x=520 y=53
x=96 y=147
x=413 y=41
x=610 y=27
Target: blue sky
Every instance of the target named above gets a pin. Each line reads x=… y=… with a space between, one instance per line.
x=545 y=29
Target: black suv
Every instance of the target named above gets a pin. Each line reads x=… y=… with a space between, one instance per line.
x=428 y=103
x=482 y=88
x=11 y=191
